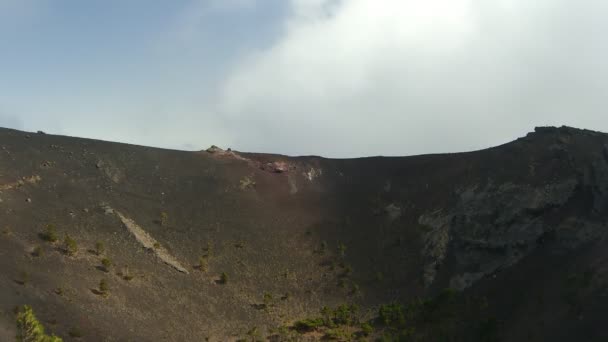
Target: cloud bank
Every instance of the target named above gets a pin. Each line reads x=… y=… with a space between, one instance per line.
x=399 y=77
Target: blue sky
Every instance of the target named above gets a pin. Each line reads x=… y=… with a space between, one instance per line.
x=338 y=78
x=89 y=68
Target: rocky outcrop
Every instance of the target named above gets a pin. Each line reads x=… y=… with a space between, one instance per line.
x=494 y=227
x=276 y=167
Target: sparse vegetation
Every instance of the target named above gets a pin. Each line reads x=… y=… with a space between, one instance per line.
x=223 y=278
x=254 y=335
x=341 y=250
x=70 y=246
x=29 y=329
x=99 y=248
x=209 y=249
x=126 y=274
x=331 y=319
x=366 y=329
x=156 y=245
x=203 y=263
x=103 y=287
x=436 y=319
x=323 y=247
x=106 y=264
x=50 y=233
x=164 y=218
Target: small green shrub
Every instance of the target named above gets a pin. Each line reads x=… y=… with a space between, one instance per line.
x=342 y=250
x=208 y=249
x=99 y=248
x=323 y=247
x=164 y=218
x=345 y=314
x=308 y=325
x=338 y=335
x=29 y=329
x=223 y=278
x=126 y=274
x=103 y=287
x=267 y=298
x=70 y=246
x=203 y=263
x=156 y=245
x=254 y=334
x=366 y=329
x=50 y=233
x=391 y=314
x=106 y=263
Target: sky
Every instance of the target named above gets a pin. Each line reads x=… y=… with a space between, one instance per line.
x=336 y=78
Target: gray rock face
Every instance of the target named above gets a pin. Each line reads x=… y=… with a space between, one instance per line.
x=494 y=227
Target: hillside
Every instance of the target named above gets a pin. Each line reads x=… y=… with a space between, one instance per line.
x=223 y=245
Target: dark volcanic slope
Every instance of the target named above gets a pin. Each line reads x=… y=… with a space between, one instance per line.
x=520 y=228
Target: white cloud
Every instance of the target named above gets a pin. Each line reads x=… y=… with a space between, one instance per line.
x=361 y=77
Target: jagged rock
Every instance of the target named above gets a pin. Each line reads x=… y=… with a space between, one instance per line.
x=214 y=149
x=493 y=227
x=276 y=167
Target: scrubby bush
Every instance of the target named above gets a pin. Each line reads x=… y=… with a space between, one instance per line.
x=70 y=245
x=366 y=329
x=106 y=263
x=203 y=263
x=341 y=250
x=223 y=278
x=208 y=249
x=103 y=287
x=323 y=247
x=29 y=329
x=391 y=314
x=164 y=218
x=310 y=324
x=50 y=233
x=99 y=248
x=126 y=275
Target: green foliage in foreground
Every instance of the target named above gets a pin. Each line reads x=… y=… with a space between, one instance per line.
x=449 y=316
x=29 y=329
